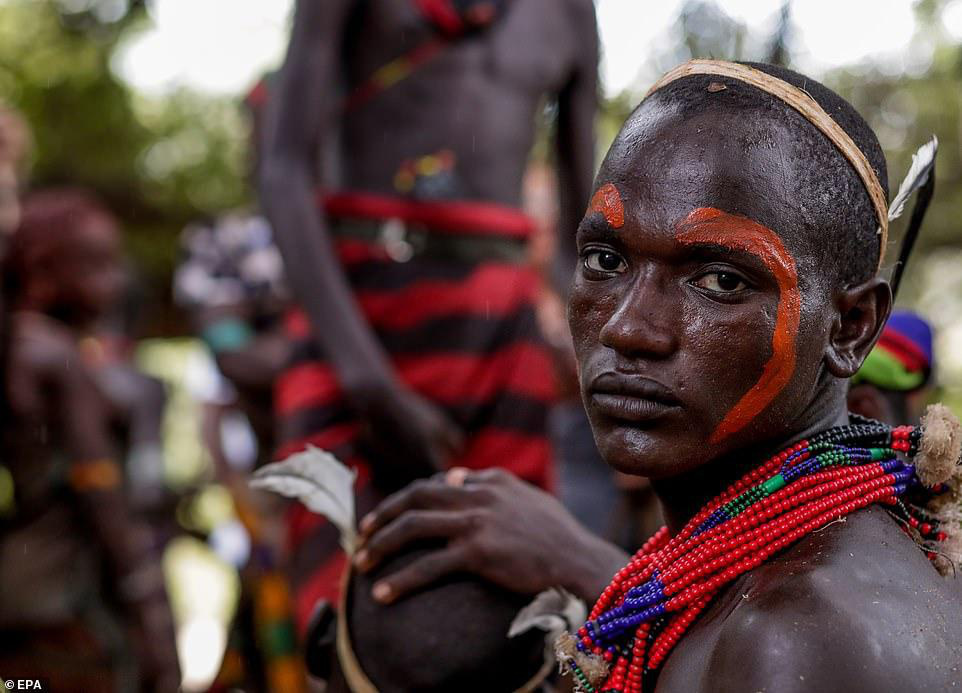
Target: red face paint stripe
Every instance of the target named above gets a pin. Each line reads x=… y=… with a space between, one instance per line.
x=607 y=200
x=709 y=225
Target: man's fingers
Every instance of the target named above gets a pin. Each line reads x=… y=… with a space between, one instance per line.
x=456 y=476
x=493 y=475
x=412 y=525
x=419 y=574
x=425 y=493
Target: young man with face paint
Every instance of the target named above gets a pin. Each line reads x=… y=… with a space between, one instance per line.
x=726 y=290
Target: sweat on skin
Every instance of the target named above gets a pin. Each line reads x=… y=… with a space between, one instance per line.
x=714 y=227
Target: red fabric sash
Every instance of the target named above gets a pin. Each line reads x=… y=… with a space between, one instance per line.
x=443 y=15
x=483 y=218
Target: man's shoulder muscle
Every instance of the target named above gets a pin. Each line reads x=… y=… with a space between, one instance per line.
x=854 y=608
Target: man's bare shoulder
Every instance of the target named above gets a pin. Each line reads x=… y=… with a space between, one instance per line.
x=855 y=606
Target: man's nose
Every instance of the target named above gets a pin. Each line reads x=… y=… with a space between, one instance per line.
x=645 y=323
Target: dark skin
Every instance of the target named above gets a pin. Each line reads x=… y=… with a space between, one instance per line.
x=854 y=606
x=78 y=283
x=80 y=278
x=477 y=99
x=497 y=526
x=58 y=411
x=887 y=405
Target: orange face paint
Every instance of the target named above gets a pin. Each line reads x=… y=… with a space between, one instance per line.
x=607 y=200
x=715 y=227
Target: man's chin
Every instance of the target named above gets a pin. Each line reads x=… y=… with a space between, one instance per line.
x=648 y=452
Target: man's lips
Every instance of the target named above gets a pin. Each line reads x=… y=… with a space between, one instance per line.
x=630 y=397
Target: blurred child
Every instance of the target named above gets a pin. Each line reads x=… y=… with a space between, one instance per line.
x=79 y=573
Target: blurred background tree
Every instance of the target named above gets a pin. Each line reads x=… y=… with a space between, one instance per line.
x=158 y=162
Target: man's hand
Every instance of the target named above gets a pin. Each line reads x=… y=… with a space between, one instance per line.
x=496 y=526
x=409 y=435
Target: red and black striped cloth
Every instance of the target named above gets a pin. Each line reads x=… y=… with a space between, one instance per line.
x=461 y=334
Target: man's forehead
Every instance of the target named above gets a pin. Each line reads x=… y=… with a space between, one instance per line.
x=664 y=166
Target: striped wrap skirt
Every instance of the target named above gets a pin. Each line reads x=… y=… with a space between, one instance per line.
x=460 y=332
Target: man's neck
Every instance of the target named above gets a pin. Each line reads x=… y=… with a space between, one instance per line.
x=682 y=496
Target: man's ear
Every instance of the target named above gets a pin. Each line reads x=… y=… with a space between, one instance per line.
x=861 y=313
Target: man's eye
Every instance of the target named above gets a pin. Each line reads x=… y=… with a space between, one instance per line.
x=604 y=261
x=721 y=282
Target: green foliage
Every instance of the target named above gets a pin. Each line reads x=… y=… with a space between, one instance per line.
x=60 y=79
x=905 y=111
x=157 y=162
x=173 y=361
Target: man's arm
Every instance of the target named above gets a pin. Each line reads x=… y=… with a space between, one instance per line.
x=577 y=105
x=304 y=106
x=301 y=110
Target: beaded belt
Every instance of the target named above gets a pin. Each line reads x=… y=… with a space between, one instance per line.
x=403 y=241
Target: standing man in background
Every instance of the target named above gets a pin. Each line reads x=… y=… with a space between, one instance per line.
x=417 y=347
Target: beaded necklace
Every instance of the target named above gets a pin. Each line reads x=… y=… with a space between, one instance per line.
x=653 y=600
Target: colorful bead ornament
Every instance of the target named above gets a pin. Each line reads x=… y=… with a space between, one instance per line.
x=652 y=601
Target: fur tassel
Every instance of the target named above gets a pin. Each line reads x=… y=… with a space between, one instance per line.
x=594 y=668
x=946 y=510
x=940 y=447
x=944 y=565
x=951 y=561
x=565 y=648
x=922 y=162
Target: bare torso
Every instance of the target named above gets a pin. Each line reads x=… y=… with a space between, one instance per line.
x=854 y=607
x=478 y=98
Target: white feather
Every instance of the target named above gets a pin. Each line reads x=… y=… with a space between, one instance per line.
x=915 y=178
x=319 y=481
